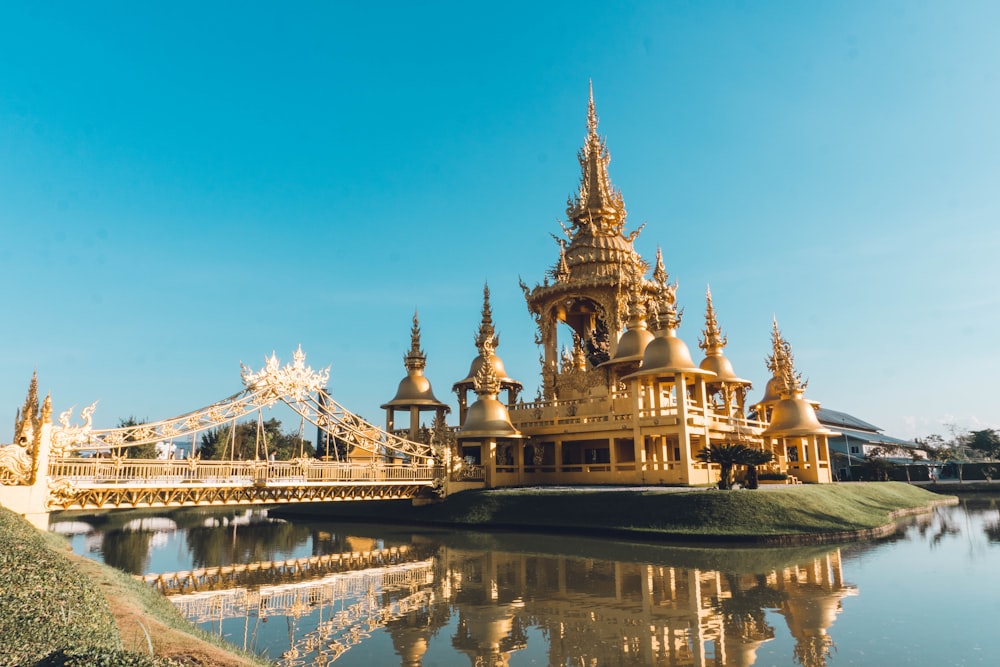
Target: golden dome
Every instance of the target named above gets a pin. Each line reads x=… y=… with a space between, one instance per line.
x=795 y=416
x=488 y=418
x=667 y=354
x=414 y=389
x=723 y=369
x=771 y=392
x=498 y=370
x=633 y=343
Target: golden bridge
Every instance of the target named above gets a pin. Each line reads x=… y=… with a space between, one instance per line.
x=66 y=466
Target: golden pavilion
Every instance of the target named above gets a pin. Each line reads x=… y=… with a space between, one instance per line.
x=622 y=400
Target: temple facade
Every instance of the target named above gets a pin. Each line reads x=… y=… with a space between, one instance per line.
x=621 y=399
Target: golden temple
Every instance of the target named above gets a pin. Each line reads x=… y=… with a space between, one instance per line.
x=624 y=402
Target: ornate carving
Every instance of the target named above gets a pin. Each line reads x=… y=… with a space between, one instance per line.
x=66 y=436
x=538 y=454
x=486 y=382
x=19 y=461
x=293 y=381
x=16 y=465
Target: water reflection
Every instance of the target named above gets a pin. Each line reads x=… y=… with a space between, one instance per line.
x=316 y=593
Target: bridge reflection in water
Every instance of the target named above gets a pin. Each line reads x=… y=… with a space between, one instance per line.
x=493 y=604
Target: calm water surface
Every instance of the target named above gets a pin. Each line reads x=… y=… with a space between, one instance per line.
x=315 y=593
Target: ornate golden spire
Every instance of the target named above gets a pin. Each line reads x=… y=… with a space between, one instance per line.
x=562 y=271
x=487 y=338
x=781 y=363
x=597 y=208
x=660 y=273
x=415 y=359
x=714 y=341
x=28 y=416
x=664 y=306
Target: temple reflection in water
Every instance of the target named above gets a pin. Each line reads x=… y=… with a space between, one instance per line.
x=492 y=604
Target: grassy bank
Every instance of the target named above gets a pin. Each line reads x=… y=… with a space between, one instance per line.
x=807 y=513
x=60 y=609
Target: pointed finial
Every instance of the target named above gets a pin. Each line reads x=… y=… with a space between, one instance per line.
x=591 y=113
x=781 y=363
x=562 y=271
x=714 y=341
x=597 y=207
x=27 y=419
x=487 y=339
x=415 y=359
x=660 y=273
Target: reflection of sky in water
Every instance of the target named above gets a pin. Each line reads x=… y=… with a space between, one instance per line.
x=930 y=597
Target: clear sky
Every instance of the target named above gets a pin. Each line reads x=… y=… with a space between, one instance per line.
x=185 y=186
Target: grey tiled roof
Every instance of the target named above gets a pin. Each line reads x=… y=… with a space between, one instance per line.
x=842 y=420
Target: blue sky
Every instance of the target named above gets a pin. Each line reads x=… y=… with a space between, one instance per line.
x=186 y=186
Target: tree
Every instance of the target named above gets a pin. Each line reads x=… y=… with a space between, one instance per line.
x=253 y=440
x=726 y=456
x=147 y=450
x=877 y=463
x=753 y=458
x=987 y=441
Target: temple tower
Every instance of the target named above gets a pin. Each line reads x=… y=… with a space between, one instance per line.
x=727 y=391
x=597 y=274
x=799 y=441
x=414 y=394
x=487 y=341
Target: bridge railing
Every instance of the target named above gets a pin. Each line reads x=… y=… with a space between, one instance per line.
x=193 y=471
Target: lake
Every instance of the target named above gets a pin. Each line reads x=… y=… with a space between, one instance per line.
x=318 y=593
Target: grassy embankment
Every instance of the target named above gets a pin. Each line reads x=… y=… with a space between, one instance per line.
x=60 y=609
x=785 y=515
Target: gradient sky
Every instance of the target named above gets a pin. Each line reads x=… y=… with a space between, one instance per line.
x=185 y=186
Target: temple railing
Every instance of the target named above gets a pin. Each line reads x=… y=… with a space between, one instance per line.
x=193 y=471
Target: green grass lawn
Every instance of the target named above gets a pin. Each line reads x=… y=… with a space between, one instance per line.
x=806 y=510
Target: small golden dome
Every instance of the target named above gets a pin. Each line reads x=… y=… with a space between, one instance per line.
x=488 y=418
x=772 y=393
x=665 y=355
x=795 y=416
x=723 y=369
x=414 y=389
x=633 y=343
x=498 y=370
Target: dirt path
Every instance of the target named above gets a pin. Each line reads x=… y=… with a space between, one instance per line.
x=167 y=642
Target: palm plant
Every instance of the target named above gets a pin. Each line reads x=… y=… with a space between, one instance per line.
x=726 y=455
x=753 y=458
